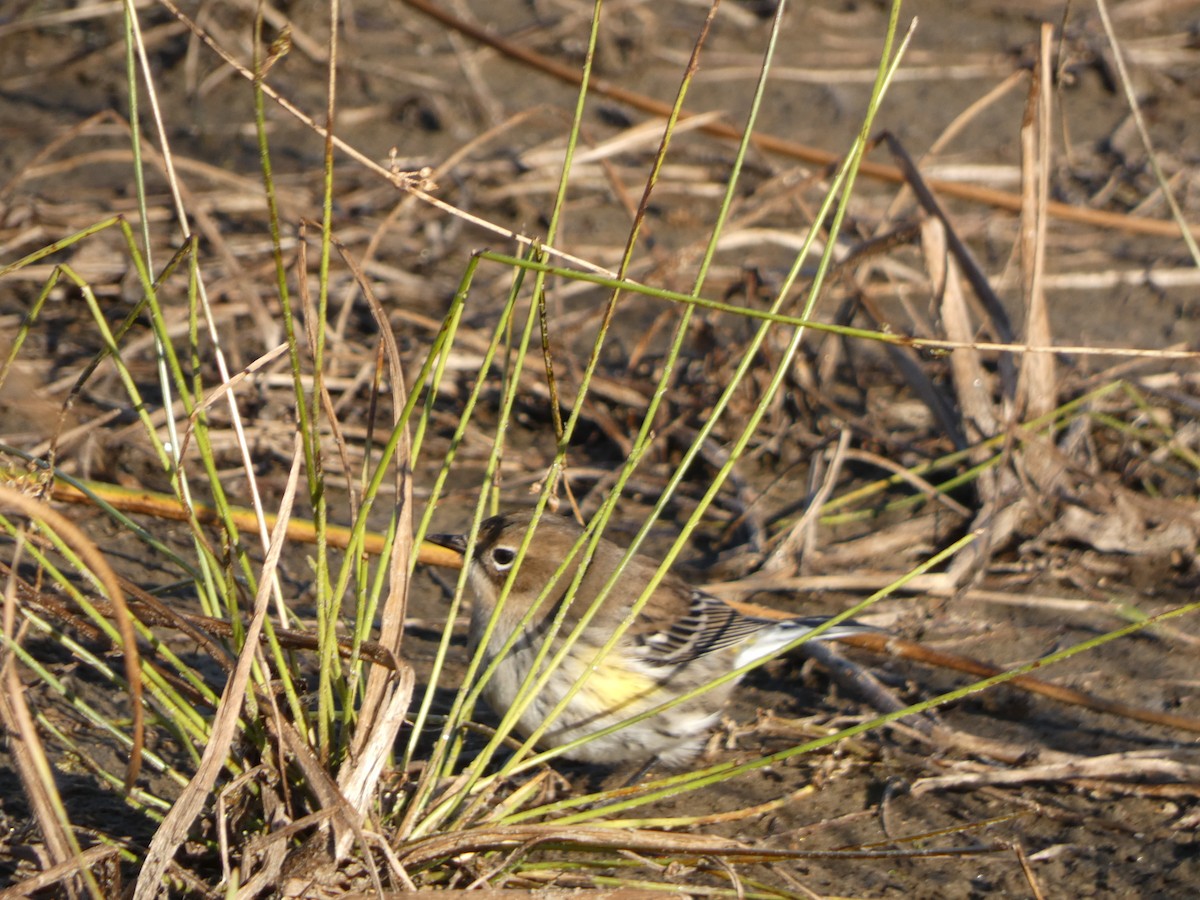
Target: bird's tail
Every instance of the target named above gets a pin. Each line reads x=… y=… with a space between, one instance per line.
x=779 y=634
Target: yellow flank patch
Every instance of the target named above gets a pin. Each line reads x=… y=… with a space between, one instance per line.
x=613 y=686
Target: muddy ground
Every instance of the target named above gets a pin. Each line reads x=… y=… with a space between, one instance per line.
x=413 y=93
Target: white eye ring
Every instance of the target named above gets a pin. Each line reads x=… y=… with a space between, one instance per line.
x=503 y=558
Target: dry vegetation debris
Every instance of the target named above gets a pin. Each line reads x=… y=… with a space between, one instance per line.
x=1013 y=206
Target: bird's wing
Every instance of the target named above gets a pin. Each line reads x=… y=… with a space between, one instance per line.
x=705 y=626
x=701 y=623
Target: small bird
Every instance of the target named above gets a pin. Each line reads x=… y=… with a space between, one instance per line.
x=682 y=638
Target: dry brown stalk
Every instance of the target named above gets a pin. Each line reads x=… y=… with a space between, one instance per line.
x=165 y=506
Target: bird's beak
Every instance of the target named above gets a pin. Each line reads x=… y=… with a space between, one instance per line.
x=455 y=542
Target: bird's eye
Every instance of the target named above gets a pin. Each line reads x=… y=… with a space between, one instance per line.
x=503 y=558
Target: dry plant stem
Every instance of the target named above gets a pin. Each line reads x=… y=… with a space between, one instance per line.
x=427 y=850
x=1036 y=389
x=1115 y=766
x=100 y=569
x=1027 y=871
x=153 y=612
x=138 y=49
x=944 y=738
x=923 y=190
x=980 y=419
x=404 y=206
x=175 y=826
x=387 y=696
x=812 y=155
x=165 y=506
x=678 y=847
x=972 y=384
x=893 y=646
x=29 y=754
x=88 y=860
x=799 y=539
x=228 y=387
x=235 y=786
x=1136 y=111
x=910 y=650
x=333 y=805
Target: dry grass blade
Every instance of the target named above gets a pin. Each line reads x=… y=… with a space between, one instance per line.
x=1037 y=390
x=973 y=387
x=393 y=613
x=174 y=829
x=388 y=694
x=1189 y=236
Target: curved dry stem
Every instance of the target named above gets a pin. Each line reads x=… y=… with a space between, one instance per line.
x=98 y=566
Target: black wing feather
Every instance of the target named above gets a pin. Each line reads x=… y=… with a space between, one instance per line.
x=708 y=626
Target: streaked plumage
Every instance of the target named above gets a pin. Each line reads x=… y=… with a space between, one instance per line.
x=681 y=639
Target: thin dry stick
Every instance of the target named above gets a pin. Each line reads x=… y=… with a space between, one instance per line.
x=1027 y=870
x=1114 y=766
x=902 y=649
x=893 y=646
x=1136 y=110
x=412 y=183
x=799 y=539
